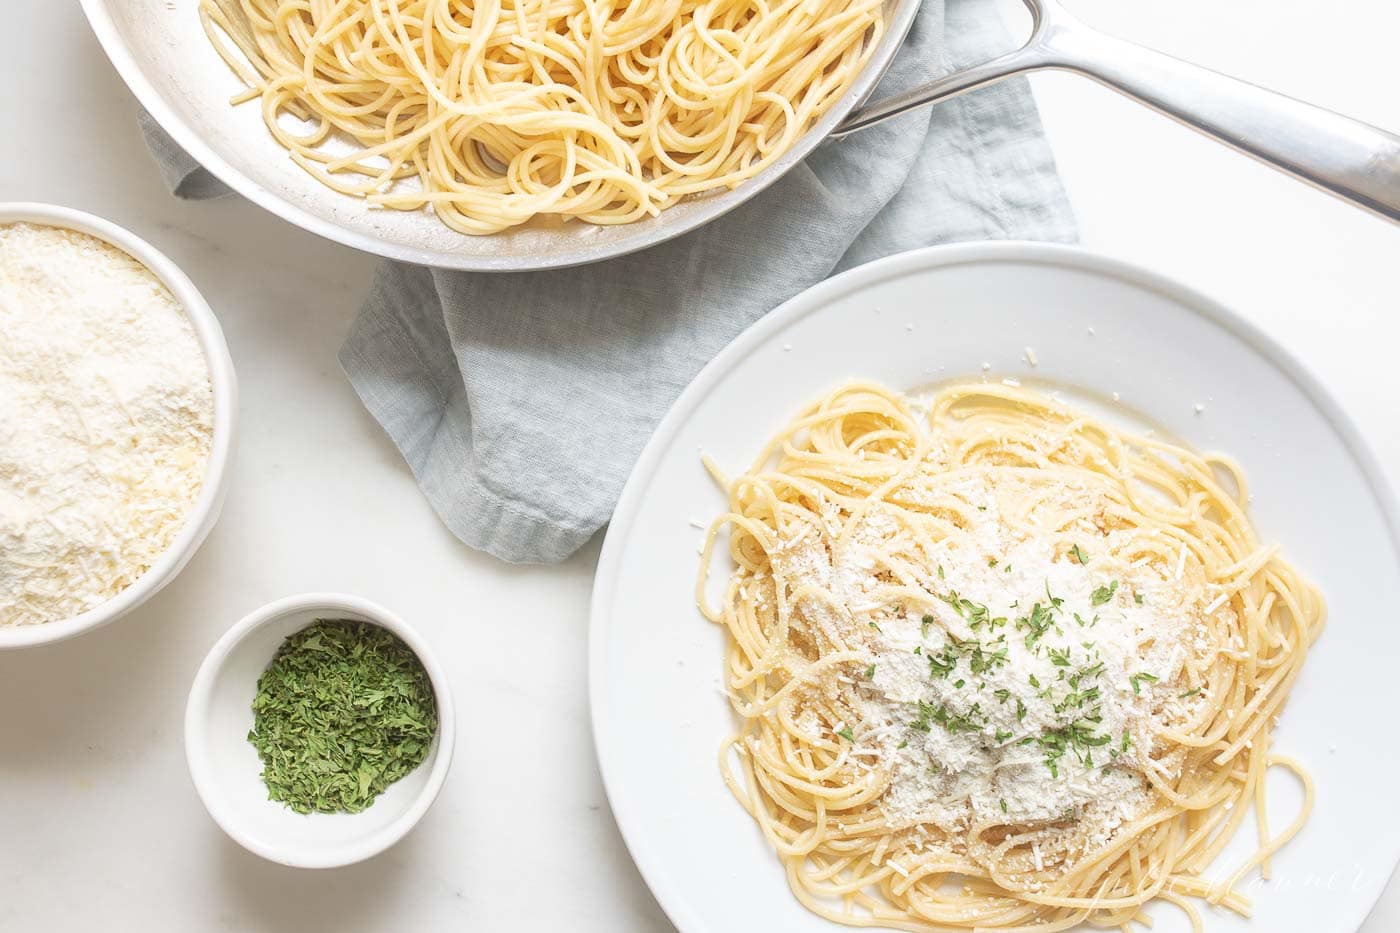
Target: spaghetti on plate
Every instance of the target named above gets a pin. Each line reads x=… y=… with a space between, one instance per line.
x=999 y=665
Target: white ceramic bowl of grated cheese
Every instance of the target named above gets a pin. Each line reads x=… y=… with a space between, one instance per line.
x=46 y=569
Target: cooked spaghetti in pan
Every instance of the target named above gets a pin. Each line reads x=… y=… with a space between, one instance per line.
x=999 y=665
x=494 y=112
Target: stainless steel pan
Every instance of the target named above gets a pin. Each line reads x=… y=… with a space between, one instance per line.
x=160 y=50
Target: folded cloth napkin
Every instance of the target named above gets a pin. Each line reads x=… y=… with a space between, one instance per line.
x=521 y=401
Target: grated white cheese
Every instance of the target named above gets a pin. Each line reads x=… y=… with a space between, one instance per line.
x=106 y=421
x=1130 y=640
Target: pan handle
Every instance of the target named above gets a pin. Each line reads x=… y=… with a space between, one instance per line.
x=1352 y=160
x=1025 y=59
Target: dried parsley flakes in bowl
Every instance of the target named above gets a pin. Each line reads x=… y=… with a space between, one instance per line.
x=319 y=730
x=344 y=710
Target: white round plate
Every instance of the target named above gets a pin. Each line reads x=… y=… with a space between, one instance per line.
x=1093 y=327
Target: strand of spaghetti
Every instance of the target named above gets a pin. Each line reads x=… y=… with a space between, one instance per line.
x=1277 y=842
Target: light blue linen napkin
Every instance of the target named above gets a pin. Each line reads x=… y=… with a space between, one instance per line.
x=521 y=401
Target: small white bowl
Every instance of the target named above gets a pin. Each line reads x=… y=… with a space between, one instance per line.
x=205 y=511
x=226 y=769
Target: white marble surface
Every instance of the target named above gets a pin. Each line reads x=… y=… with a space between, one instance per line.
x=99 y=826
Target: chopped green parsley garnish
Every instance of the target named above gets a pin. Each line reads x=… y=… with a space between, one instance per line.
x=1078 y=737
x=953 y=722
x=846 y=734
x=344 y=710
x=943 y=663
x=1137 y=680
x=1037 y=623
x=975 y=615
x=1079 y=554
x=1103 y=594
